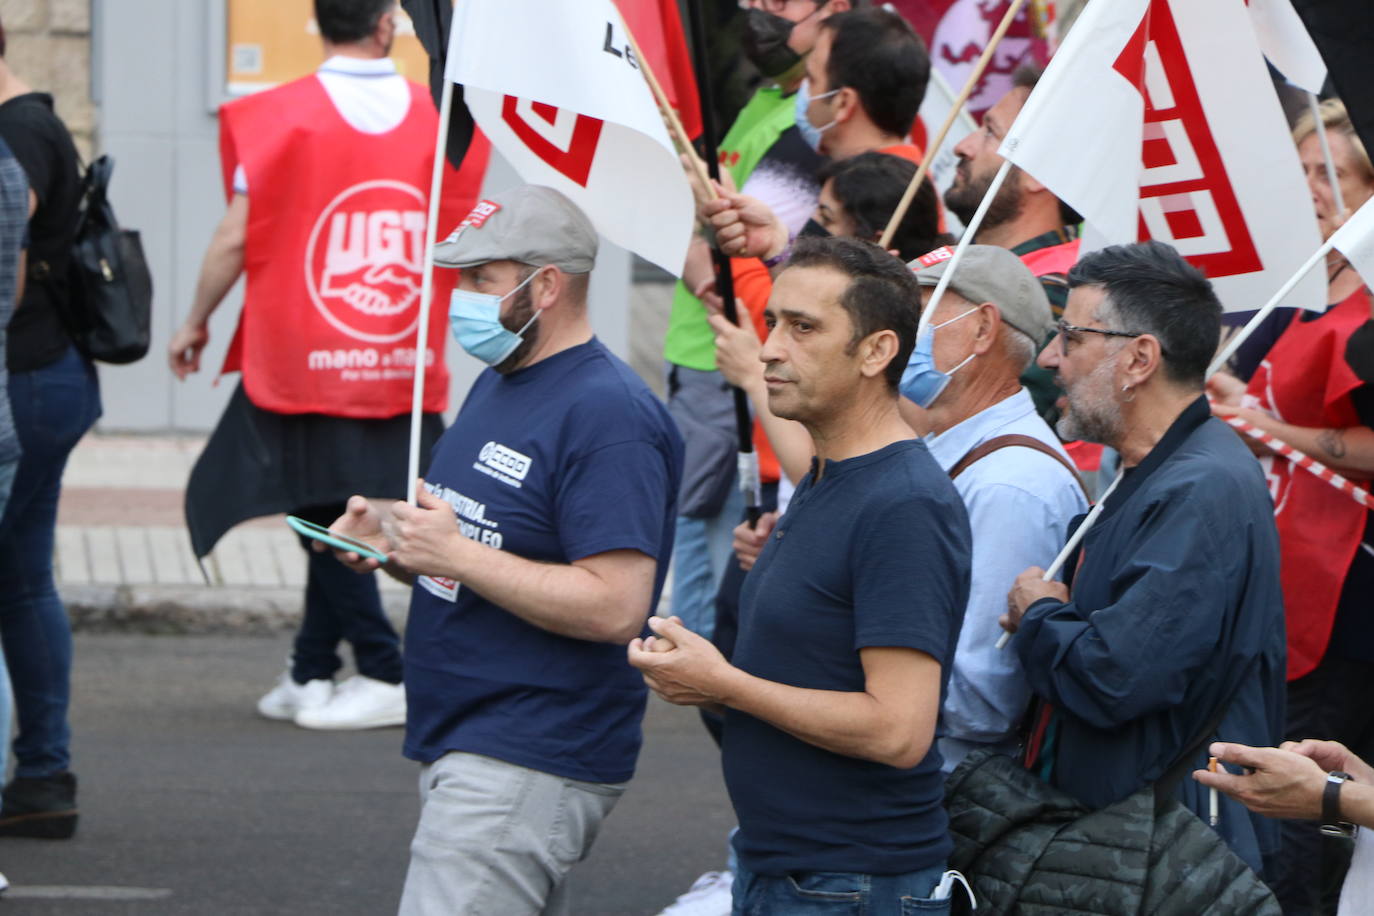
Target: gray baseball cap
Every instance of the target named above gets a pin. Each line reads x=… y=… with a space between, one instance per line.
x=531 y=224
x=988 y=273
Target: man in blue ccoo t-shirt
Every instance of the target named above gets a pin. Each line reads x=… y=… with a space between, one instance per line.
x=562 y=470
x=848 y=619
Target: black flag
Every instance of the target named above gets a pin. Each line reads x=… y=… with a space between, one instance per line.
x=1343 y=31
x=432 y=20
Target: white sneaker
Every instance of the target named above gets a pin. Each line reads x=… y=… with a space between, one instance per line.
x=359 y=702
x=709 y=895
x=4 y=884
x=286 y=699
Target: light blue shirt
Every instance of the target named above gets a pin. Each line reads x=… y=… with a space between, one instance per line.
x=1020 y=503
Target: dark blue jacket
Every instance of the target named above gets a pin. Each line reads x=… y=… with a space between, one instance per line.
x=1175 y=610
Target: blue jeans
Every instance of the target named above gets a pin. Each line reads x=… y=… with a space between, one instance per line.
x=701 y=548
x=341 y=605
x=836 y=893
x=53 y=408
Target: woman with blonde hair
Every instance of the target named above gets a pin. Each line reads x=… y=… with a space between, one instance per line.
x=1315 y=390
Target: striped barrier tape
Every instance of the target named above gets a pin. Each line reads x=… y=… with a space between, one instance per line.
x=1304 y=461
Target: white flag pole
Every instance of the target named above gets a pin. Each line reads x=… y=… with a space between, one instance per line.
x=934 y=146
x=1070 y=547
x=1319 y=126
x=427 y=290
x=964 y=241
x=1240 y=336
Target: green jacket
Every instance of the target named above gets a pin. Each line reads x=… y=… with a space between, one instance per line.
x=690 y=341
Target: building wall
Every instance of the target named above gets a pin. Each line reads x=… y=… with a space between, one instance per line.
x=50 y=49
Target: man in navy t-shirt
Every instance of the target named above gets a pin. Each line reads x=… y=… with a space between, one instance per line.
x=848 y=619
x=562 y=470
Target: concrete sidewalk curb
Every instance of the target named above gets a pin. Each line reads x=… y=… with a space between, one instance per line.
x=173 y=610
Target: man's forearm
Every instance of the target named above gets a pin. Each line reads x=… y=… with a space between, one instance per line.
x=562 y=598
x=223 y=263
x=854 y=724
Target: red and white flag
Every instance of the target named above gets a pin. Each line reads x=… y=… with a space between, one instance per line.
x=657 y=28
x=1284 y=40
x=1157 y=119
x=559 y=93
x=957 y=31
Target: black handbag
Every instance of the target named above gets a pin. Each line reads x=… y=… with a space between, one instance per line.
x=105 y=296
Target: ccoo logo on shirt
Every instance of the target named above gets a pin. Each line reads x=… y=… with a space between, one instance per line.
x=504 y=463
x=364 y=260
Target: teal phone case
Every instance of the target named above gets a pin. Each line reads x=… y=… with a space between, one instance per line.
x=333 y=539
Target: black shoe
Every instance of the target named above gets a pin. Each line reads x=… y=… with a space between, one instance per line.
x=43 y=808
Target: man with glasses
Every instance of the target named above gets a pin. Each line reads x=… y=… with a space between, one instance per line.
x=1168 y=632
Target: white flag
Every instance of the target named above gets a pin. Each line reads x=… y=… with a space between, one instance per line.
x=1284 y=40
x=1157 y=119
x=1355 y=239
x=559 y=93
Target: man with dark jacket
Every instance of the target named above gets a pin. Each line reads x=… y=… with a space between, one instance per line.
x=1170 y=632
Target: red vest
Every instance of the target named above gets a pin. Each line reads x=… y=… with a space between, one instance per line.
x=1306 y=381
x=1056 y=259
x=334 y=253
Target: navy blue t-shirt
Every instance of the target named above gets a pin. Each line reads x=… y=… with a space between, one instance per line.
x=874 y=554
x=570 y=457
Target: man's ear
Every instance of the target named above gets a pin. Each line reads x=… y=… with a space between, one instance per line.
x=1146 y=360
x=848 y=105
x=547 y=286
x=877 y=351
x=989 y=324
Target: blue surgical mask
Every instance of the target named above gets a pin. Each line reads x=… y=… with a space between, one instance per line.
x=922 y=382
x=810 y=132
x=475 y=319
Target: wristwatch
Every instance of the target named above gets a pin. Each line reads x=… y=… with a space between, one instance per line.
x=1332 y=825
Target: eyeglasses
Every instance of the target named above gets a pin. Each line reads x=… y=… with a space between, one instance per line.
x=1068 y=333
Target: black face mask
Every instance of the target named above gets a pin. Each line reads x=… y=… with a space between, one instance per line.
x=765 y=43
x=813 y=229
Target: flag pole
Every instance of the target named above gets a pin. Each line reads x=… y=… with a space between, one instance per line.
x=1070 y=547
x=1319 y=126
x=748 y=467
x=958 y=106
x=1240 y=336
x=427 y=291
x=665 y=105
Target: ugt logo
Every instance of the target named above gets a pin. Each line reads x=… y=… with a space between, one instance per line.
x=364 y=260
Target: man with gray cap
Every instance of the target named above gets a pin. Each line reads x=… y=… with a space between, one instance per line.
x=562 y=470
x=1011 y=472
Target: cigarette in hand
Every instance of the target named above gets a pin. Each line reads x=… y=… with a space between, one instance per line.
x=1213 y=802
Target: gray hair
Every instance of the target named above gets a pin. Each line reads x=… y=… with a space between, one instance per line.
x=1018 y=347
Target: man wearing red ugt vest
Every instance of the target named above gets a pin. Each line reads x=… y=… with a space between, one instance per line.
x=326 y=178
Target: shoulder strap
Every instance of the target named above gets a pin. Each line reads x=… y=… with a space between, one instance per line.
x=978 y=452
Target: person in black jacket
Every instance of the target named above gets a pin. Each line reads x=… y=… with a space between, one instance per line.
x=55 y=398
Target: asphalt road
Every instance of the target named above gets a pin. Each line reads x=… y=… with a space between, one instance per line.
x=192 y=804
